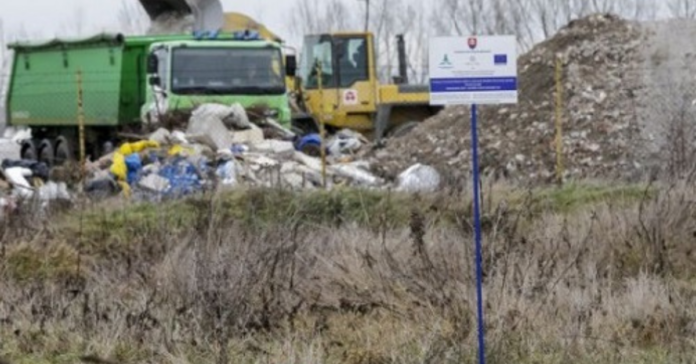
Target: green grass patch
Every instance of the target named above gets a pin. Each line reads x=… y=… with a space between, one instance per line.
x=570 y=197
x=112 y=228
x=25 y=263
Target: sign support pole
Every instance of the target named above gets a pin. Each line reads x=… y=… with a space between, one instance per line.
x=456 y=67
x=477 y=229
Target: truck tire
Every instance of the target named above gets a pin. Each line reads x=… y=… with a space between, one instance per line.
x=64 y=151
x=28 y=150
x=47 y=152
x=107 y=148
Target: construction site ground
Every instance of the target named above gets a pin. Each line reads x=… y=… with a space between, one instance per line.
x=268 y=266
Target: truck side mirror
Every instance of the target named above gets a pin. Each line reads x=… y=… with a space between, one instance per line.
x=152 y=63
x=291 y=65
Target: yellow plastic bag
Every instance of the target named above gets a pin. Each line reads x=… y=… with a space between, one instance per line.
x=118 y=167
x=178 y=150
x=137 y=147
x=125 y=189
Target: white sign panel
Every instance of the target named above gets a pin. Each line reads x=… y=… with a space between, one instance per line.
x=473 y=70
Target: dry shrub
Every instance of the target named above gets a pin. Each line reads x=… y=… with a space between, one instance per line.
x=583 y=286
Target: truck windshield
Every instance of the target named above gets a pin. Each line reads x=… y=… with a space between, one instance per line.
x=228 y=71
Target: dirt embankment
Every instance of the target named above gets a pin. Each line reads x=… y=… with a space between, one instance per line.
x=610 y=113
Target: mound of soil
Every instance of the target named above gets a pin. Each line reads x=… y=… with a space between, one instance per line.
x=601 y=56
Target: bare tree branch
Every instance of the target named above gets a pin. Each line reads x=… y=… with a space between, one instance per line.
x=682 y=8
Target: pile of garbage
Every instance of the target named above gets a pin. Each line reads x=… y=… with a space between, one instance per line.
x=219 y=148
x=222 y=148
x=28 y=181
x=601 y=134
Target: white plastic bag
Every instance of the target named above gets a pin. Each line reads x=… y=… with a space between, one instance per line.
x=227 y=173
x=419 y=178
x=54 y=191
x=17 y=177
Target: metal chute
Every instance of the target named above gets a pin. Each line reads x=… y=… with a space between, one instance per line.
x=208 y=14
x=156 y=8
x=177 y=15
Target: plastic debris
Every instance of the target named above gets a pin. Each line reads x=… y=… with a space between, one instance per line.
x=54 y=191
x=419 y=178
x=227 y=172
x=182 y=176
x=345 y=142
x=17 y=176
x=38 y=169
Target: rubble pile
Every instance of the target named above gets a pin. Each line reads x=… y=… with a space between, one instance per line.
x=221 y=147
x=226 y=147
x=600 y=133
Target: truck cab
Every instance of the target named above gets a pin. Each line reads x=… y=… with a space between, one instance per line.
x=182 y=74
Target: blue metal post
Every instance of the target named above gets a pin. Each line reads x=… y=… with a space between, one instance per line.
x=477 y=228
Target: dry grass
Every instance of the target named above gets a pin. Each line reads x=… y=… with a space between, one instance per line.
x=609 y=281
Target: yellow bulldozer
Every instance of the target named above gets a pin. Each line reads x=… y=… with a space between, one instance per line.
x=348 y=93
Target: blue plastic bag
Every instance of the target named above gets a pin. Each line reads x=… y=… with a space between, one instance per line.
x=182 y=176
x=134 y=166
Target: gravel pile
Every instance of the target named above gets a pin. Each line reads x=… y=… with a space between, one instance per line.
x=604 y=58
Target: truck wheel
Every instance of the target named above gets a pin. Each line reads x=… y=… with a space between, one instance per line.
x=46 y=152
x=107 y=148
x=63 y=151
x=28 y=150
x=402 y=129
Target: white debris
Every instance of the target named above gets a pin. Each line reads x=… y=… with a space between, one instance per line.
x=275 y=125
x=252 y=135
x=17 y=176
x=161 y=136
x=419 y=178
x=311 y=162
x=277 y=147
x=206 y=126
x=345 y=142
x=355 y=173
x=154 y=182
x=227 y=172
x=54 y=191
x=21 y=135
x=236 y=117
x=179 y=137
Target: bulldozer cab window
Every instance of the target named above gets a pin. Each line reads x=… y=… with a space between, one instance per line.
x=317 y=50
x=343 y=61
x=353 y=60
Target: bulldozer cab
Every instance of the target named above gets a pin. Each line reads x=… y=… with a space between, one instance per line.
x=339 y=80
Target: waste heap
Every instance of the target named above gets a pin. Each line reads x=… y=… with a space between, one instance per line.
x=227 y=147
x=211 y=148
x=600 y=132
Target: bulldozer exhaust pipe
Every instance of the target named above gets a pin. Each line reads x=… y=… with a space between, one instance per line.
x=403 y=63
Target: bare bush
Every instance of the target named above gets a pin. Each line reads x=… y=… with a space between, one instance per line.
x=582 y=284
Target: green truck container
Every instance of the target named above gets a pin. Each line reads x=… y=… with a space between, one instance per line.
x=127 y=82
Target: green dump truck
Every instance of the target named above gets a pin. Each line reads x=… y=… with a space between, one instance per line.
x=127 y=82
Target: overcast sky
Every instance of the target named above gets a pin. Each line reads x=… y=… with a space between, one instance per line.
x=47 y=17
